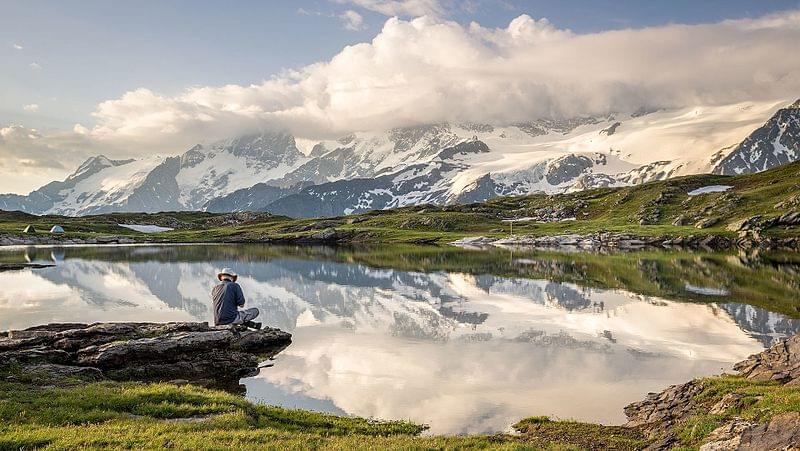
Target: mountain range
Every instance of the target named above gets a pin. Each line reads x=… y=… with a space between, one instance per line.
x=429 y=164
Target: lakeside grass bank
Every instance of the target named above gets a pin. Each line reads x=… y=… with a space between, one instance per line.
x=130 y=415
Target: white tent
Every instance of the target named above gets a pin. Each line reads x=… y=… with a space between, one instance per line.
x=57 y=229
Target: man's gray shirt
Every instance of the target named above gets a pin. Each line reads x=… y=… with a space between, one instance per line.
x=227 y=296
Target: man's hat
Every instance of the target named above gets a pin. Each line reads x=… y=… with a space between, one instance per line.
x=227 y=272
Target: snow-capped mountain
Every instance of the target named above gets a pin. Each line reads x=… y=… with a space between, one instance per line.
x=776 y=142
x=185 y=182
x=438 y=163
x=543 y=156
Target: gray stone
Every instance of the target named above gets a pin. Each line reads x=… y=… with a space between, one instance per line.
x=726 y=437
x=680 y=221
x=706 y=223
x=729 y=401
x=145 y=351
x=779 y=363
x=659 y=411
x=744 y=224
x=781 y=432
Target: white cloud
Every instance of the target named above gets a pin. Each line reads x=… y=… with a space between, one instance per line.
x=29 y=158
x=31 y=107
x=427 y=70
x=404 y=8
x=35 y=66
x=352 y=20
x=17 y=47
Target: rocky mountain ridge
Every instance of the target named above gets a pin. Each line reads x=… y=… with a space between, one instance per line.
x=436 y=164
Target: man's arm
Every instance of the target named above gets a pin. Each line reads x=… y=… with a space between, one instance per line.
x=239 y=296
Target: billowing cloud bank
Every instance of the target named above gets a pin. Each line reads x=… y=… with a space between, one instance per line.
x=423 y=71
x=429 y=70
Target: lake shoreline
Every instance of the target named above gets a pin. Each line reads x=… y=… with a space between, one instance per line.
x=598 y=241
x=752 y=409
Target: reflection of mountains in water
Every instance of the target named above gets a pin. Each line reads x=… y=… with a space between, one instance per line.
x=421 y=305
x=159 y=279
x=767 y=327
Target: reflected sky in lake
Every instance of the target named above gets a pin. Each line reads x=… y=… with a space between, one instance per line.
x=464 y=352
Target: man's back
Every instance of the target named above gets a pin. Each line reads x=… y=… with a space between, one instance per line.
x=227 y=296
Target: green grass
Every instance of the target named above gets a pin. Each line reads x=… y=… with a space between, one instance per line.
x=156 y=416
x=620 y=210
x=115 y=415
x=543 y=432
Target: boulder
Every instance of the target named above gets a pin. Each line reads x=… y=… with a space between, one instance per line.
x=781 y=432
x=706 y=223
x=681 y=220
x=792 y=218
x=729 y=401
x=660 y=415
x=779 y=363
x=750 y=223
x=726 y=437
x=143 y=351
x=659 y=411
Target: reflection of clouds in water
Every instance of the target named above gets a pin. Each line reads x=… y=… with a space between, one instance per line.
x=465 y=353
x=459 y=388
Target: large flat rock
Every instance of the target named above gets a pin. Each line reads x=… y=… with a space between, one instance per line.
x=217 y=356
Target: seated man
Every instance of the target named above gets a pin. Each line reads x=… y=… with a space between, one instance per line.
x=227 y=297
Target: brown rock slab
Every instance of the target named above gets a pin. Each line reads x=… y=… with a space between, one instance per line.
x=779 y=363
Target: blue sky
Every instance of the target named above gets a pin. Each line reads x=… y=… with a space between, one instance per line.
x=75 y=54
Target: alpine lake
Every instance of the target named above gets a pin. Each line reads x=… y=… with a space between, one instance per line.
x=466 y=341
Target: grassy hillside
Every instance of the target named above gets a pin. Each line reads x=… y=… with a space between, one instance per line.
x=660 y=208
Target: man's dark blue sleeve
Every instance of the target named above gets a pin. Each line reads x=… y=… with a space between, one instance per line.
x=239 y=296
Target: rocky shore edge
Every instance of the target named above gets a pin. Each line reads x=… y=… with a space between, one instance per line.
x=586 y=242
x=36 y=240
x=662 y=416
x=620 y=241
x=149 y=352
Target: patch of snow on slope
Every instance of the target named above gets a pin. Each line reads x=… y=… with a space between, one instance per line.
x=146 y=228
x=709 y=189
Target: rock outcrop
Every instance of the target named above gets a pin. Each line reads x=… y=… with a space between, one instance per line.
x=659 y=411
x=660 y=415
x=197 y=352
x=603 y=241
x=779 y=363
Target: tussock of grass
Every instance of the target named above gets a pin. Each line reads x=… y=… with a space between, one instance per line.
x=543 y=432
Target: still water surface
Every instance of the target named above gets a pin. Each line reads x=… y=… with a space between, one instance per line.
x=465 y=341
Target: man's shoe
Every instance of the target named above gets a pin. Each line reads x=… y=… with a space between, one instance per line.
x=252 y=325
